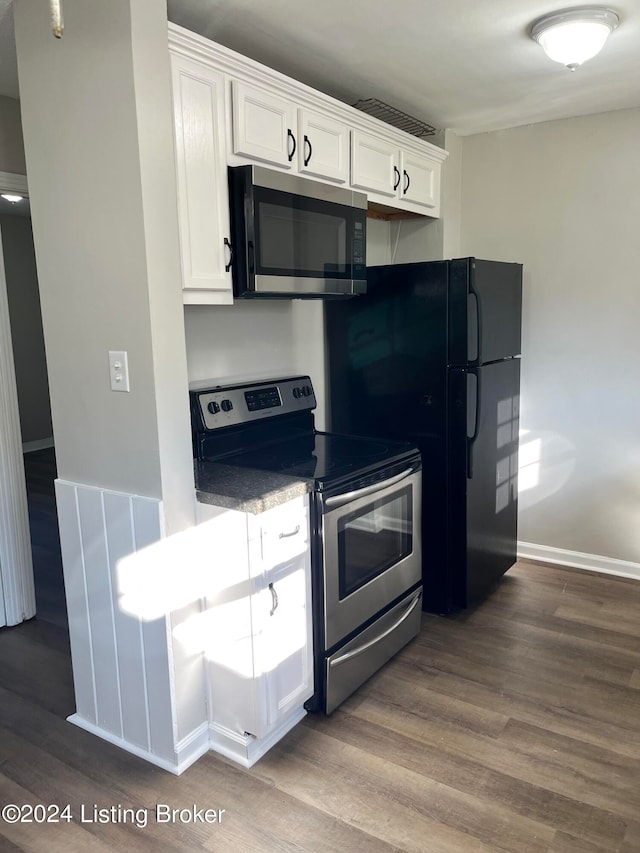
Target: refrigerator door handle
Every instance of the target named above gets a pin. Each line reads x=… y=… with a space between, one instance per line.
x=471 y=439
x=478 y=329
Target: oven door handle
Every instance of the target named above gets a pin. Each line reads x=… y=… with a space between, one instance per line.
x=365 y=646
x=339 y=500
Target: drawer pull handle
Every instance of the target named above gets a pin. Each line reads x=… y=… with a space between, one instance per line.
x=274 y=599
x=361 y=649
x=293 y=532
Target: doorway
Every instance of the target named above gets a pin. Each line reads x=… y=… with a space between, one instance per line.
x=35 y=581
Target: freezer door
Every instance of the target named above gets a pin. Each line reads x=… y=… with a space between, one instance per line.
x=485 y=311
x=482 y=477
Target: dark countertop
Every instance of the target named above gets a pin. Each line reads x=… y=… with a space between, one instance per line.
x=245 y=489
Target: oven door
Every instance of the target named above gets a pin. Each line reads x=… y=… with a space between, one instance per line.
x=372 y=550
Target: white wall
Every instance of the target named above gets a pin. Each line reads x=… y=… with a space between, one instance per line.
x=257 y=339
x=98 y=131
x=563 y=198
x=109 y=268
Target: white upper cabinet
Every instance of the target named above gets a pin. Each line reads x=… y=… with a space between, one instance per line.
x=373 y=164
x=274 y=130
x=395 y=176
x=323 y=146
x=201 y=168
x=420 y=182
x=231 y=110
x=263 y=126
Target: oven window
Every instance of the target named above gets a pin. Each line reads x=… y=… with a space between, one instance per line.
x=373 y=539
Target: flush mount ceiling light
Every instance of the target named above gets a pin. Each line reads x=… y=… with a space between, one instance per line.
x=12 y=198
x=574 y=35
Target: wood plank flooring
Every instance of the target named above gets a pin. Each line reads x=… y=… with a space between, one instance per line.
x=513 y=726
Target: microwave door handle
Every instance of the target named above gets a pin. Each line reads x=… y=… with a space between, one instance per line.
x=339 y=500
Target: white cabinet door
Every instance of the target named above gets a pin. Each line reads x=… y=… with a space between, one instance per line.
x=263 y=127
x=394 y=176
x=374 y=165
x=420 y=181
x=201 y=166
x=257 y=619
x=284 y=645
x=323 y=149
x=281 y=610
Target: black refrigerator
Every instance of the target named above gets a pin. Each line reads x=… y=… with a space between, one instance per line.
x=431 y=355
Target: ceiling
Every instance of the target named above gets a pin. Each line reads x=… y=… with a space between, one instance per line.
x=460 y=64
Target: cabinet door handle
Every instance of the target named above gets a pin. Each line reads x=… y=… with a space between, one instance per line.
x=274 y=599
x=396 y=171
x=407 y=182
x=227 y=267
x=293 y=148
x=307 y=143
x=293 y=532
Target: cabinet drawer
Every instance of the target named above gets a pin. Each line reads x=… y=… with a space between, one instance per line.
x=282 y=532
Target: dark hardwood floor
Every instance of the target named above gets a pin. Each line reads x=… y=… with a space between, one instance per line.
x=513 y=726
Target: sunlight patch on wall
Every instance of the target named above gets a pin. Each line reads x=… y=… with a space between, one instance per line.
x=547 y=460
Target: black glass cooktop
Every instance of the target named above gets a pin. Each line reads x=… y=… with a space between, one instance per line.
x=326 y=458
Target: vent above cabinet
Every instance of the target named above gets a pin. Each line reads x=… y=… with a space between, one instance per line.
x=396 y=118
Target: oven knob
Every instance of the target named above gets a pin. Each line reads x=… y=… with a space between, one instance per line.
x=213 y=407
x=307 y=390
x=227 y=405
x=297 y=393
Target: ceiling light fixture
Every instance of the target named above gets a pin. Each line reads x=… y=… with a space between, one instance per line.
x=574 y=35
x=12 y=198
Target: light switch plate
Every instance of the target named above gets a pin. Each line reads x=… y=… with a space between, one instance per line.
x=118 y=370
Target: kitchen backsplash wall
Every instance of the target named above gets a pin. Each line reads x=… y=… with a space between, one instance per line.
x=256 y=339
x=246 y=340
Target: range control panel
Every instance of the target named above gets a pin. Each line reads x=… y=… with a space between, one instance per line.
x=232 y=405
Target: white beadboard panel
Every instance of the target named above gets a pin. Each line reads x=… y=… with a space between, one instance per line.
x=133 y=688
x=128 y=627
x=101 y=616
x=189 y=686
x=77 y=605
x=16 y=568
x=148 y=527
x=578 y=560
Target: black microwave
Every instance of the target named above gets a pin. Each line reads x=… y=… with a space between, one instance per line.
x=294 y=238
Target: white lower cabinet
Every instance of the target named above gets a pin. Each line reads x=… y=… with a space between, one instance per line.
x=257 y=620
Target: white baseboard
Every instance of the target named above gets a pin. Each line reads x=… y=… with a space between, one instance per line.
x=578 y=560
x=245 y=749
x=187 y=752
x=39 y=444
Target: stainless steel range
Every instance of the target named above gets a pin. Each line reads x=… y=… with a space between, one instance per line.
x=366 y=558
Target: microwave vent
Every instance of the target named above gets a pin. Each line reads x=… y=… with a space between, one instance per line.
x=396 y=118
